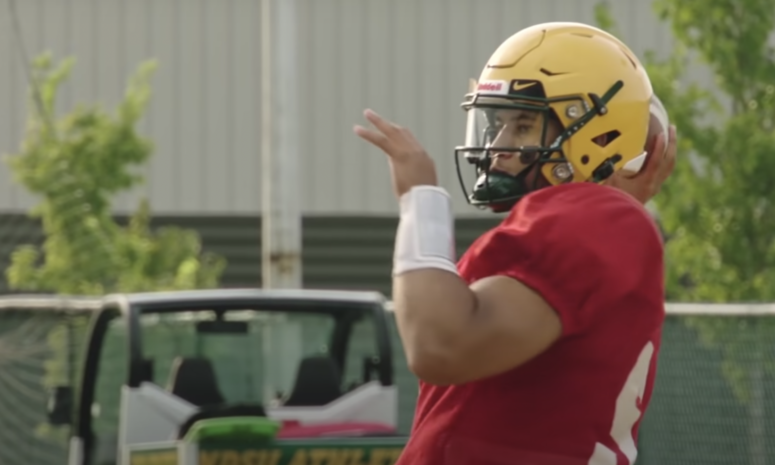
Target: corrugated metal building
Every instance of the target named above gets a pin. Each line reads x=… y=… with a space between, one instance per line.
x=409 y=60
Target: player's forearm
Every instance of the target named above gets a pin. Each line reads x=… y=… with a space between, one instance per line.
x=434 y=310
x=434 y=306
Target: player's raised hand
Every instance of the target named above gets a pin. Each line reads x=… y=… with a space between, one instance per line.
x=410 y=164
x=659 y=164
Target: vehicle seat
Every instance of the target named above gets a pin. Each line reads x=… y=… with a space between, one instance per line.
x=193 y=379
x=317 y=383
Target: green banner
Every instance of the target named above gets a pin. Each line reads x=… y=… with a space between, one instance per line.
x=160 y=456
x=363 y=451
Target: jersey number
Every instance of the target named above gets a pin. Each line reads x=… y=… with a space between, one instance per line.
x=627 y=413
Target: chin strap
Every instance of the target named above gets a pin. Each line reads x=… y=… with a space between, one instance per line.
x=495 y=187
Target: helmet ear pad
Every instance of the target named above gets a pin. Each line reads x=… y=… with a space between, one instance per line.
x=601 y=139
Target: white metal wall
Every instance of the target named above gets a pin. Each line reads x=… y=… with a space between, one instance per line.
x=409 y=60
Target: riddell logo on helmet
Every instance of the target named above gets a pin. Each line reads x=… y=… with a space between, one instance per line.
x=493 y=87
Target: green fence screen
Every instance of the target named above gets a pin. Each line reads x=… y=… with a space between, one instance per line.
x=713 y=404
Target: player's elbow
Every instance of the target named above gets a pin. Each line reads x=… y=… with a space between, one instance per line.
x=432 y=371
x=442 y=356
x=439 y=366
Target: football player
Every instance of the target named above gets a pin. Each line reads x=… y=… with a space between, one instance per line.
x=539 y=347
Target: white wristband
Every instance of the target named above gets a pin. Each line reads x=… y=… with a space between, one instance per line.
x=426 y=231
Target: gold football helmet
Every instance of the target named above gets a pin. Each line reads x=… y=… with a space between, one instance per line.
x=565 y=102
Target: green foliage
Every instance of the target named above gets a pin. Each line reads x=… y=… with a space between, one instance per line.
x=717 y=207
x=76 y=165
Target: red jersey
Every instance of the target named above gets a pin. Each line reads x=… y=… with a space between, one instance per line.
x=595 y=255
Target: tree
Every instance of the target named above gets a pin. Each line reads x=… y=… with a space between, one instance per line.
x=718 y=208
x=76 y=165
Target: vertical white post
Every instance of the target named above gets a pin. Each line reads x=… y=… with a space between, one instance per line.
x=281 y=210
